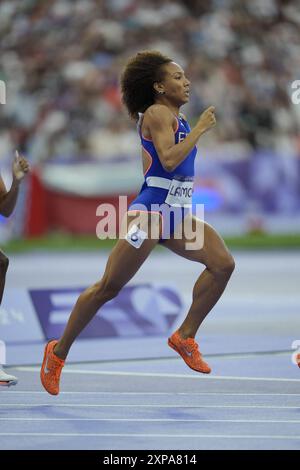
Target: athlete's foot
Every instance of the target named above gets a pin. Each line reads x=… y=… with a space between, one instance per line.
x=189 y=351
x=51 y=369
x=6 y=379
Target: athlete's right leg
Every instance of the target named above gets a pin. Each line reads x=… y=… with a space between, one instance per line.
x=123 y=263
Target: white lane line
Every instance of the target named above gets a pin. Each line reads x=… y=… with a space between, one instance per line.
x=173 y=436
x=96 y=405
x=155 y=374
x=159 y=420
x=155 y=393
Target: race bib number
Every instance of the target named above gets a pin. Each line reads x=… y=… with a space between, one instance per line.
x=136 y=236
x=180 y=192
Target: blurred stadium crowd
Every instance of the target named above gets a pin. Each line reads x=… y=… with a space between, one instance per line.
x=61 y=61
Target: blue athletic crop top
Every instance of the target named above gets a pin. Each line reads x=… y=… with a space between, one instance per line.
x=155 y=168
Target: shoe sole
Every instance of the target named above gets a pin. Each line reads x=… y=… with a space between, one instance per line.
x=8 y=383
x=42 y=368
x=173 y=346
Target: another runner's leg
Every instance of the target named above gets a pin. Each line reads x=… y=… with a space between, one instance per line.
x=3 y=270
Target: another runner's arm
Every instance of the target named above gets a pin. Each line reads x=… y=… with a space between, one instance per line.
x=8 y=199
x=160 y=123
x=3 y=192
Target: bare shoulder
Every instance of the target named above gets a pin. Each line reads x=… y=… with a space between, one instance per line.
x=158 y=114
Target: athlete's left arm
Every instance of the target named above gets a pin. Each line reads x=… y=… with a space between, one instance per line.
x=8 y=199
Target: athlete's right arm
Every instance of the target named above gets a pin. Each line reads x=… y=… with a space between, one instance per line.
x=160 y=124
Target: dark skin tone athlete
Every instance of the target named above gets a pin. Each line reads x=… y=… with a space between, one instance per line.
x=159 y=123
x=8 y=200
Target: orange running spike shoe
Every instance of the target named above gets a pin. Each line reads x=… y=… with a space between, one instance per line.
x=298 y=360
x=189 y=351
x=51 y=369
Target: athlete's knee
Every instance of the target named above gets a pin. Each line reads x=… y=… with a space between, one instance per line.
x=224 y=266
x=4 y=262
x=106 y=289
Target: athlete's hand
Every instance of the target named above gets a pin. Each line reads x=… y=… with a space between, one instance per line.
x=20 y=167
x=207 y=119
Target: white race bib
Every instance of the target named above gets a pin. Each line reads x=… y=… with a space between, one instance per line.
x=180 y=192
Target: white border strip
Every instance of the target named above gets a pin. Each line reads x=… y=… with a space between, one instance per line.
x=159 y=420
x=172 y=436
x=146 y=405
x=156 y=374
x=31 y=392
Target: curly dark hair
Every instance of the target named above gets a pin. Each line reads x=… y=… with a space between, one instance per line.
x=138 y=78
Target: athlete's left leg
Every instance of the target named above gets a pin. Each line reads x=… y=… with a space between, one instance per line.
x=211 y=283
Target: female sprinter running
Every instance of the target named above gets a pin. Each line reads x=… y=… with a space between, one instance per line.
x=154 y=88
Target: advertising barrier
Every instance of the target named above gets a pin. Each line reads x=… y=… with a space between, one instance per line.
x=41 y=314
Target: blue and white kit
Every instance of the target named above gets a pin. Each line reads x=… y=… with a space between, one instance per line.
x=163 y=190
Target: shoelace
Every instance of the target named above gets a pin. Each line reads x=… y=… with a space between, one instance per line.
x=55 y=368
x=192 y=346
x=54 y=364
x=57 y=373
